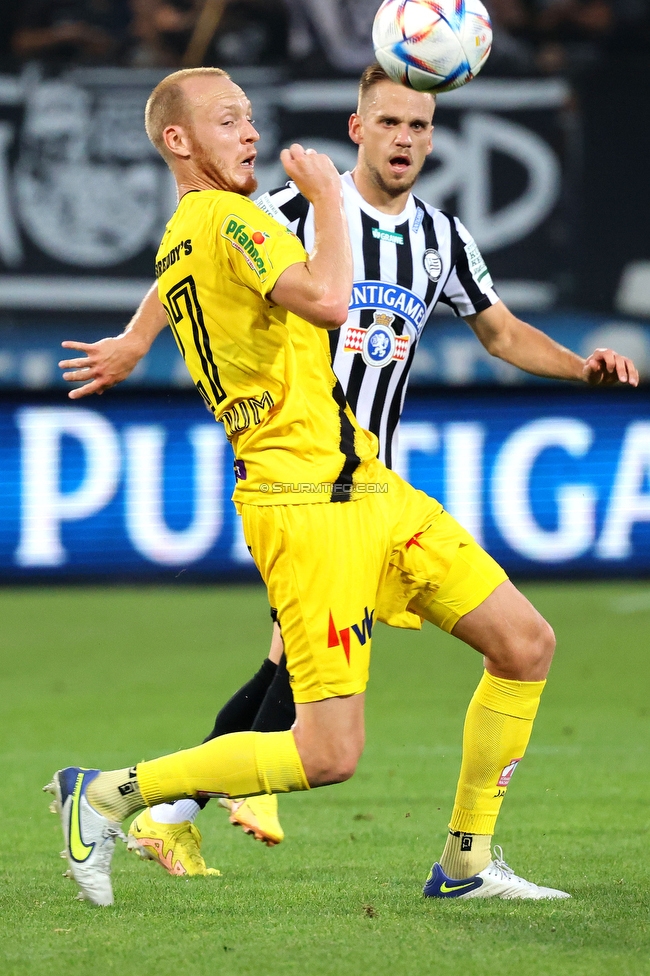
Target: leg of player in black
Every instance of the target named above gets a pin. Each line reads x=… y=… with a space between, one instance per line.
x=277 y=712
x=258 y=815
x=166 y=833
x=240 y=712
x=265 y=703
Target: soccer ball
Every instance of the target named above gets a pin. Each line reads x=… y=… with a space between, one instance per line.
x=432 y=45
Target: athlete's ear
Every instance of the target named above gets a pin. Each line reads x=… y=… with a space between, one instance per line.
x=176 y=139
x=355 y=128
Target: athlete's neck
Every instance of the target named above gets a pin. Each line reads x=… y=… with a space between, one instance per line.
x=188 y=186
x=377 y=197
x=188 y=182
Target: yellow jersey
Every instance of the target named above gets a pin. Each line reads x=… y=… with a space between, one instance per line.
x=264 y=372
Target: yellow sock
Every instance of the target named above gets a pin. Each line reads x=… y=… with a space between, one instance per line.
x=239 y=764
x=497 y=729
x=116 y=793
x=465 y=854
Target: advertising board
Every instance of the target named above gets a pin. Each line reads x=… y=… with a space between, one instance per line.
x=140 y=487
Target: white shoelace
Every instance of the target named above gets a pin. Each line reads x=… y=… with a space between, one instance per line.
x=105 y=851
x=505 y=870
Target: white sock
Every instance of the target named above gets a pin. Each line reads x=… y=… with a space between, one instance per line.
x=175 y=813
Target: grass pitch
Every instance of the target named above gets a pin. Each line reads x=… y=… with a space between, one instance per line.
x=108 y=676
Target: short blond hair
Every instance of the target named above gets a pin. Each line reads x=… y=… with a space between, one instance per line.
x=168 y=105
x=373 y=75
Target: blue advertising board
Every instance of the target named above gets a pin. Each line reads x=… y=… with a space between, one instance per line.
x=449 y=354
x=553 y=483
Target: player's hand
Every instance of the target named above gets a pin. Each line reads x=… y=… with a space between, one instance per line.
x=313 y=173
x=605 y=368
x=106 y=363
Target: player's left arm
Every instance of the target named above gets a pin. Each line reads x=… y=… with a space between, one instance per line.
x=318 y=289
x=516 y=342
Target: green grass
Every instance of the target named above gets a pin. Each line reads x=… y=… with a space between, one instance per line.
x=108 y=676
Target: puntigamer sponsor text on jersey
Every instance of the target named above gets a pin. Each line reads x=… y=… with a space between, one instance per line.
x=394 y=298
x=404 y=265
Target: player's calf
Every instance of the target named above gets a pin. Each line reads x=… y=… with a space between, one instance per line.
x=327 y=770
x=518 y=646
x=330 y=737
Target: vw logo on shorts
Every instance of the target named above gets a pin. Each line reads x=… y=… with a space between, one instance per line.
x=378 y=345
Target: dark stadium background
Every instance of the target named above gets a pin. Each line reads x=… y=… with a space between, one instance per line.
x=108 y=506
x=545 y=159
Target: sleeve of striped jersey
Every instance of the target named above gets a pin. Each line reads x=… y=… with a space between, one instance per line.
x=469 y=287
x=258 y=248
x=288 y=206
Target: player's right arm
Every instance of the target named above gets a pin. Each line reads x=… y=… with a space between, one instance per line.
x=319 y=289
x=111 y=360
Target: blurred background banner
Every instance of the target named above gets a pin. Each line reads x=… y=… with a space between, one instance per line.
x=142 y=488
x=448 y=352
x=544 y=157
x=85 y=197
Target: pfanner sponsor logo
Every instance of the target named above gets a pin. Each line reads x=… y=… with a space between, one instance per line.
x=393 y=298
x=249 y=242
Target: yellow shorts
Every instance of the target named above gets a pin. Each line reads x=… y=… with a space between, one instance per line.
x=333 y=569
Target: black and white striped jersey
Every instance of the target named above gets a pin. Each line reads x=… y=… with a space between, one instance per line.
x=404 y=265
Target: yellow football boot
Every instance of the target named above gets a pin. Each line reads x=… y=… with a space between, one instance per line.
x=176 y=847
x=256 y=815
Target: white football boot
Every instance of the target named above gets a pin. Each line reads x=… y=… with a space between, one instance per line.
x=497 y=880
x=89 y=836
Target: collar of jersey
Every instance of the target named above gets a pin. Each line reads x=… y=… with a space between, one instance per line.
x=406 y=214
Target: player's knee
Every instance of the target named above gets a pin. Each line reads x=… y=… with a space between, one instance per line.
x=345 y=768
x=535 y=651
x=325 y=771
x=545 y=643
x=525 y=653
x=338 y=771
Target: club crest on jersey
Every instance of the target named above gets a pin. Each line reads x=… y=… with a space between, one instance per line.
x=378 y=344
x=432 y=264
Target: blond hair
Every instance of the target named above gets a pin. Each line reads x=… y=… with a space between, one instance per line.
x=373 y=75
x=168 y=105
